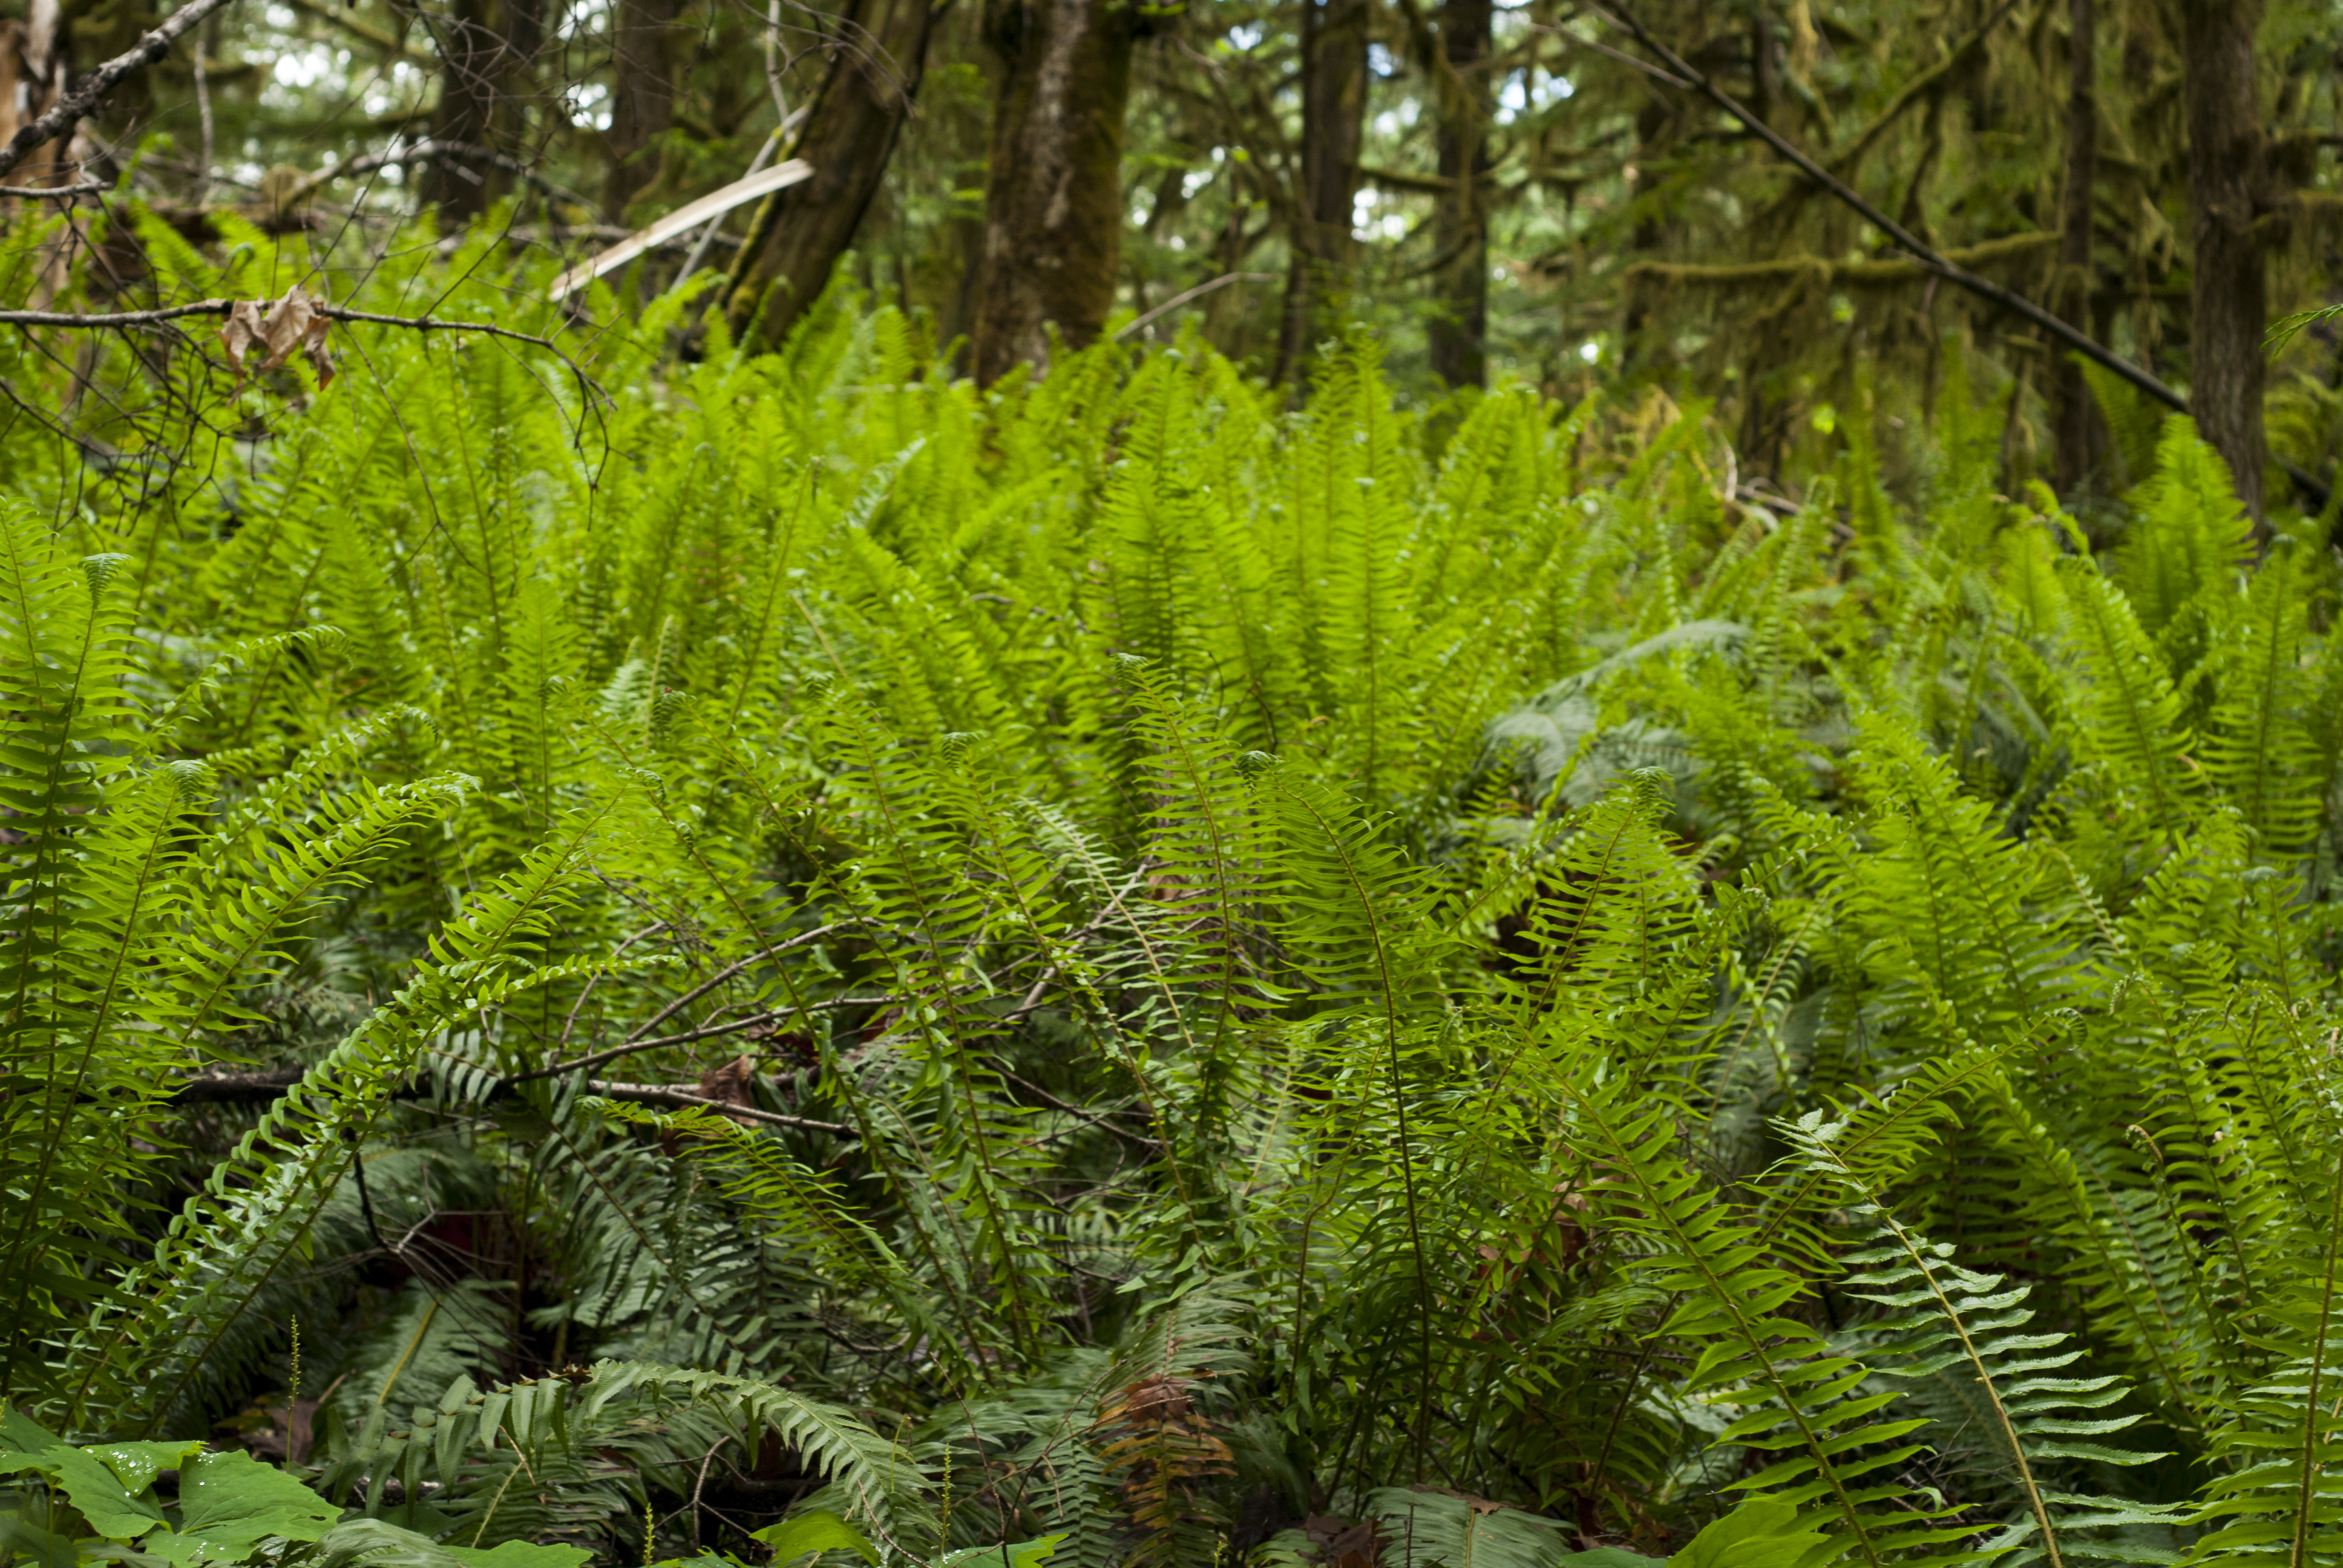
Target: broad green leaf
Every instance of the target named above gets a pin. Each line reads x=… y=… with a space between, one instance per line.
x=44 y=1548
x=92 y=1489
x=20 y=1432
x=1760 y=1534
x=136 y=1464
x=231 y=1503
x=378 y=1543
x=817 y=1530
x=526 y=1554
x=1009 y=1554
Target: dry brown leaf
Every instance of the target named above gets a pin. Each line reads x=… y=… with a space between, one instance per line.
x=293 y=322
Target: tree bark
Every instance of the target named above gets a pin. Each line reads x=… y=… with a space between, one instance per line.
x=483 y=46
x=1333 y=107
x=642 y=97
x=2080 y=437
x=2228 y=308
x=849 y=132
x=1459 y=326
x=32 y=73
x=1053 y=186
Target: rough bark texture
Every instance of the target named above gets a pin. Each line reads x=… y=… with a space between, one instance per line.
x=2080 y=435
x=1460 y=326
x=31 y=75
x=1053 y=191
x=642 y=97
x=484 y=46
x=1334 y=106
x=2229 y=306
x=849 y=135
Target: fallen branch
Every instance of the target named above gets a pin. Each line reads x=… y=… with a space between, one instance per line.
x=236 y=1087
x=94 y=87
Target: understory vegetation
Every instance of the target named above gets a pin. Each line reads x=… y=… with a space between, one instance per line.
x=601 y=957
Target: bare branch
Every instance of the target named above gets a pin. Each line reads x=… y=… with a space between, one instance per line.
x=82 y=188
x=222 y=306
x=1201 y=289
x=659 y=1094
x=425 y=152
x=94 y=87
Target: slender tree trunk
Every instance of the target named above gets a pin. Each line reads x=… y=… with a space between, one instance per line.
x=472 y=49
x=1460 y=327
x=2230 y=305
x=32 y=74
x=1054 y=189
x=642 y=97
x=1333 y=107
x=2081 y=440
x=484 y=47
x=849 y=136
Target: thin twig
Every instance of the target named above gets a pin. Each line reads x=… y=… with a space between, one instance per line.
x=82 y=188
x=1201 y=289
x=710 y=1032
x=659 y=1094
x=222 y=306
x=428 y=152
x=1621 y=55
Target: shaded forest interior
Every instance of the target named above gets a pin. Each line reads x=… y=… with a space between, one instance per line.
x=1526 y=191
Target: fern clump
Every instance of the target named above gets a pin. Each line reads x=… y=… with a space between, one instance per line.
x=1100 y=969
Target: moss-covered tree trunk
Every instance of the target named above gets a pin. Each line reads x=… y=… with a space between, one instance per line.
x=2080 y=437
x=849 y=132
x=643 y=49
x=1053 y=185
x=2228 y=306
x=1459 y=225
x=1334 y=106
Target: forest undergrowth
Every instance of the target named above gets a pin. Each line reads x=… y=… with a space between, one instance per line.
x=598 y=962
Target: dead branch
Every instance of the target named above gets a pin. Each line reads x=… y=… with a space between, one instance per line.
x=125 y=318
x=94 y=87
x=80 y=188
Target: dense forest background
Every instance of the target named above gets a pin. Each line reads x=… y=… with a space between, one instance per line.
x=1522 y=192
x=1093 y=785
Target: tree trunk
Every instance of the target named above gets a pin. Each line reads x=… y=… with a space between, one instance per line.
x=2228 y=308
x=1460 y=326
x=483 y=46
x=32 y=74
x=2080 y=437
x=642 y=97
x=1053 y=186
x=1334 y=106
x=851 y=130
